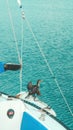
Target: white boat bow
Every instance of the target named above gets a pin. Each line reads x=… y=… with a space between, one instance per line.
x=21 y=114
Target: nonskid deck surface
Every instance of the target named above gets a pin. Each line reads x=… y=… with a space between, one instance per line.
x=47 y=120
x=37 y=103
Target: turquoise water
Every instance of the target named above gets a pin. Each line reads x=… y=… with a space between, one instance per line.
x=52 y=24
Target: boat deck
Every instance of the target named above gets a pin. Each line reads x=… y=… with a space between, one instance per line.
x=16 y=114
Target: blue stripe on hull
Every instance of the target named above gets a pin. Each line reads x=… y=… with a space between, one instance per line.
x=30 y=123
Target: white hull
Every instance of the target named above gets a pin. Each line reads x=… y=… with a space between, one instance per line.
x=19 y=114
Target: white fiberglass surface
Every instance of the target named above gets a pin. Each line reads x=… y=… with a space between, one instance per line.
x=11 y=115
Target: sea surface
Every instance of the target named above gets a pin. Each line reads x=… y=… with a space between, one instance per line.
x=52 y=25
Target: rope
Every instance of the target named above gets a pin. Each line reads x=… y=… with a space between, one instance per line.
x=63 y=97
x=13 y=30
x=49 y=68
x=22 y=32
x=19 y=55
x=17 y=50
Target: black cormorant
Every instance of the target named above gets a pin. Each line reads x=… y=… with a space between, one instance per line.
x=33 y=89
